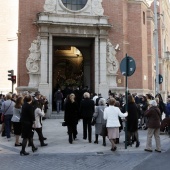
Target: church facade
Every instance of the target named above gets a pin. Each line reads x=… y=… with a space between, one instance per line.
x=82 y=42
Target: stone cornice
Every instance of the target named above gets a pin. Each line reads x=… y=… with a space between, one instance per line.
x=47 y=20
x=139 y=1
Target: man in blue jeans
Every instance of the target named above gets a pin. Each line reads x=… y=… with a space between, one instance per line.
x=7 y=110
x=58 y=96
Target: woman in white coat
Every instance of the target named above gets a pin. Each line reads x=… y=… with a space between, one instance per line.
x=39 y=113
x=111 y=114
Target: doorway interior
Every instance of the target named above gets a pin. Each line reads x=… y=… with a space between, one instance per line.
x=73 y=63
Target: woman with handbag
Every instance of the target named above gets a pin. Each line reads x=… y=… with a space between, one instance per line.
x=39 y=112
x=111 y=114
x=100 y=122
x=7 y=111
x=16 y=119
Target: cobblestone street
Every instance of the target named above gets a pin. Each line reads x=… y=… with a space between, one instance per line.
x=81 y=155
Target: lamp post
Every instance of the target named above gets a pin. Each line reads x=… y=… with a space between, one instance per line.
x=156 y=47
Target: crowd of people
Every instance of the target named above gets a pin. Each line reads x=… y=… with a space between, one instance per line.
x=22 y=115
x=144 y=112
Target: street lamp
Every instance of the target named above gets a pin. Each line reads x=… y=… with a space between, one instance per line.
x=156 y=47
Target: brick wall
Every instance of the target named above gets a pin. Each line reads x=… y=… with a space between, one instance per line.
x=117 y=12
x=27 y=15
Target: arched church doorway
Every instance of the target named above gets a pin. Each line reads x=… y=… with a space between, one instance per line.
x=73 y=64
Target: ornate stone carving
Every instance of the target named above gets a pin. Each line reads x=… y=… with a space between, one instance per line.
x=112 y=62
x=149 y=2
x=97 y=8
x=33 y=61
x=50 y=6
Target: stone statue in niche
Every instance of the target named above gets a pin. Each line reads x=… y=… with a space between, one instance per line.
x=97 y=7
x=33 y=61
x=49 y=6
x=112 y=63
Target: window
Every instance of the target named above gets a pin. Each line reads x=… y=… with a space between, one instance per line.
x=74 y=4
x=143 y=17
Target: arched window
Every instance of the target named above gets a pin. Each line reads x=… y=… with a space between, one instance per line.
x=74 y=4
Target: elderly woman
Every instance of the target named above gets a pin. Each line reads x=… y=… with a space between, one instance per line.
x=154 y=117
x=87 y=110
x=98 y=115
x=111 y=114
x=7 y=111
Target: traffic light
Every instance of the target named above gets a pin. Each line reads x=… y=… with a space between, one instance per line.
x=10 y=74
x=13 y=79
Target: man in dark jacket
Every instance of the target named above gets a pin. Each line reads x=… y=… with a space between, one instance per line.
x=58 y=96
x=87 y=110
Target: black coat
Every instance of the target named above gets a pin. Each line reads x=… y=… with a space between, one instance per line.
x=27 y=119
x=71 y=115
x=87 y=108
x=132 y=119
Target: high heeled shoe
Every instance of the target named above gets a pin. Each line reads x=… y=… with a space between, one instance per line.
x=96 y=141
x=34 y=149
x=24 y=153
x=18 y=144
x=113 y=149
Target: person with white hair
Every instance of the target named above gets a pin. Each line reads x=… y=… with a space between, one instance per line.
x=98 y=115
x=154 y=118
x=87 y=110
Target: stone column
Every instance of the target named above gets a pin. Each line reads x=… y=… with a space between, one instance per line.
x=44 y=86
x=103 y=86
x=96 y=64
x=50 y=99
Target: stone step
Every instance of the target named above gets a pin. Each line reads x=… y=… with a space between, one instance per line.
x=56 y=115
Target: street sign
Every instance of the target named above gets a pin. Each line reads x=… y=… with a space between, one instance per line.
x=127 y=67
x=131 y=66
x=160 y=79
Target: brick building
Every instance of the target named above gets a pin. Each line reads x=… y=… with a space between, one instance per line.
x=84 y=42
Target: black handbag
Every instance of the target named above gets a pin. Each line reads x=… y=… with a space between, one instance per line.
x=64 y=124
x=93 y=121
x=103 y=130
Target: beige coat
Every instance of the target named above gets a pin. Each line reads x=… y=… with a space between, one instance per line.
x=38 y=114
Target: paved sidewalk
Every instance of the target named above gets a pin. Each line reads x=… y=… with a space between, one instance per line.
x=58 y=142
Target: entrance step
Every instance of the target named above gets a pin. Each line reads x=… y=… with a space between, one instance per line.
x=56 y=115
